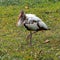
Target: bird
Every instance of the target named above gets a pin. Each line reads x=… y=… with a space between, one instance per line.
x=32 y=23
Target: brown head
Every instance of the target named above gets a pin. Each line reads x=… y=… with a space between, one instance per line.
x=21 y=18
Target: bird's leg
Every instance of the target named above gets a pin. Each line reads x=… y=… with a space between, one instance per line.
x=30 y=38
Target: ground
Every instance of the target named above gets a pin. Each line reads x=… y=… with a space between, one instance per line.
x=13 y=44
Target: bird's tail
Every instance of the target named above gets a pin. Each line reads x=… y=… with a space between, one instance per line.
x=48 y=29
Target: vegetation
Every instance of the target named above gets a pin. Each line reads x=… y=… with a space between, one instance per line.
x=31 y=3
x=13 y=44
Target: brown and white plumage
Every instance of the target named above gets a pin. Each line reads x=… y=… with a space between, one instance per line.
x=31 y=22
x=35 y=25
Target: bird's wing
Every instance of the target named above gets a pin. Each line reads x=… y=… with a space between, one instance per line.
x=43 y=25
x=32 y=26
x=36 y=25
x=35 y=22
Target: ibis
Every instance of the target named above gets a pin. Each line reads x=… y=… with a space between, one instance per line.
x=32 y=23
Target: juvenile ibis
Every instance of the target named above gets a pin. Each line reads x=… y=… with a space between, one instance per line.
x=31 y=22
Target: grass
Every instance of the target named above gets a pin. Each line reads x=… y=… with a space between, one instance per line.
x=31 y=3
x=13 y=45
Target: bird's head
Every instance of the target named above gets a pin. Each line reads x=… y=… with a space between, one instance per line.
x=21 y=18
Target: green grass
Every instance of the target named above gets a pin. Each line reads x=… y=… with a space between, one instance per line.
x=13 y=44
x=31 y=3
